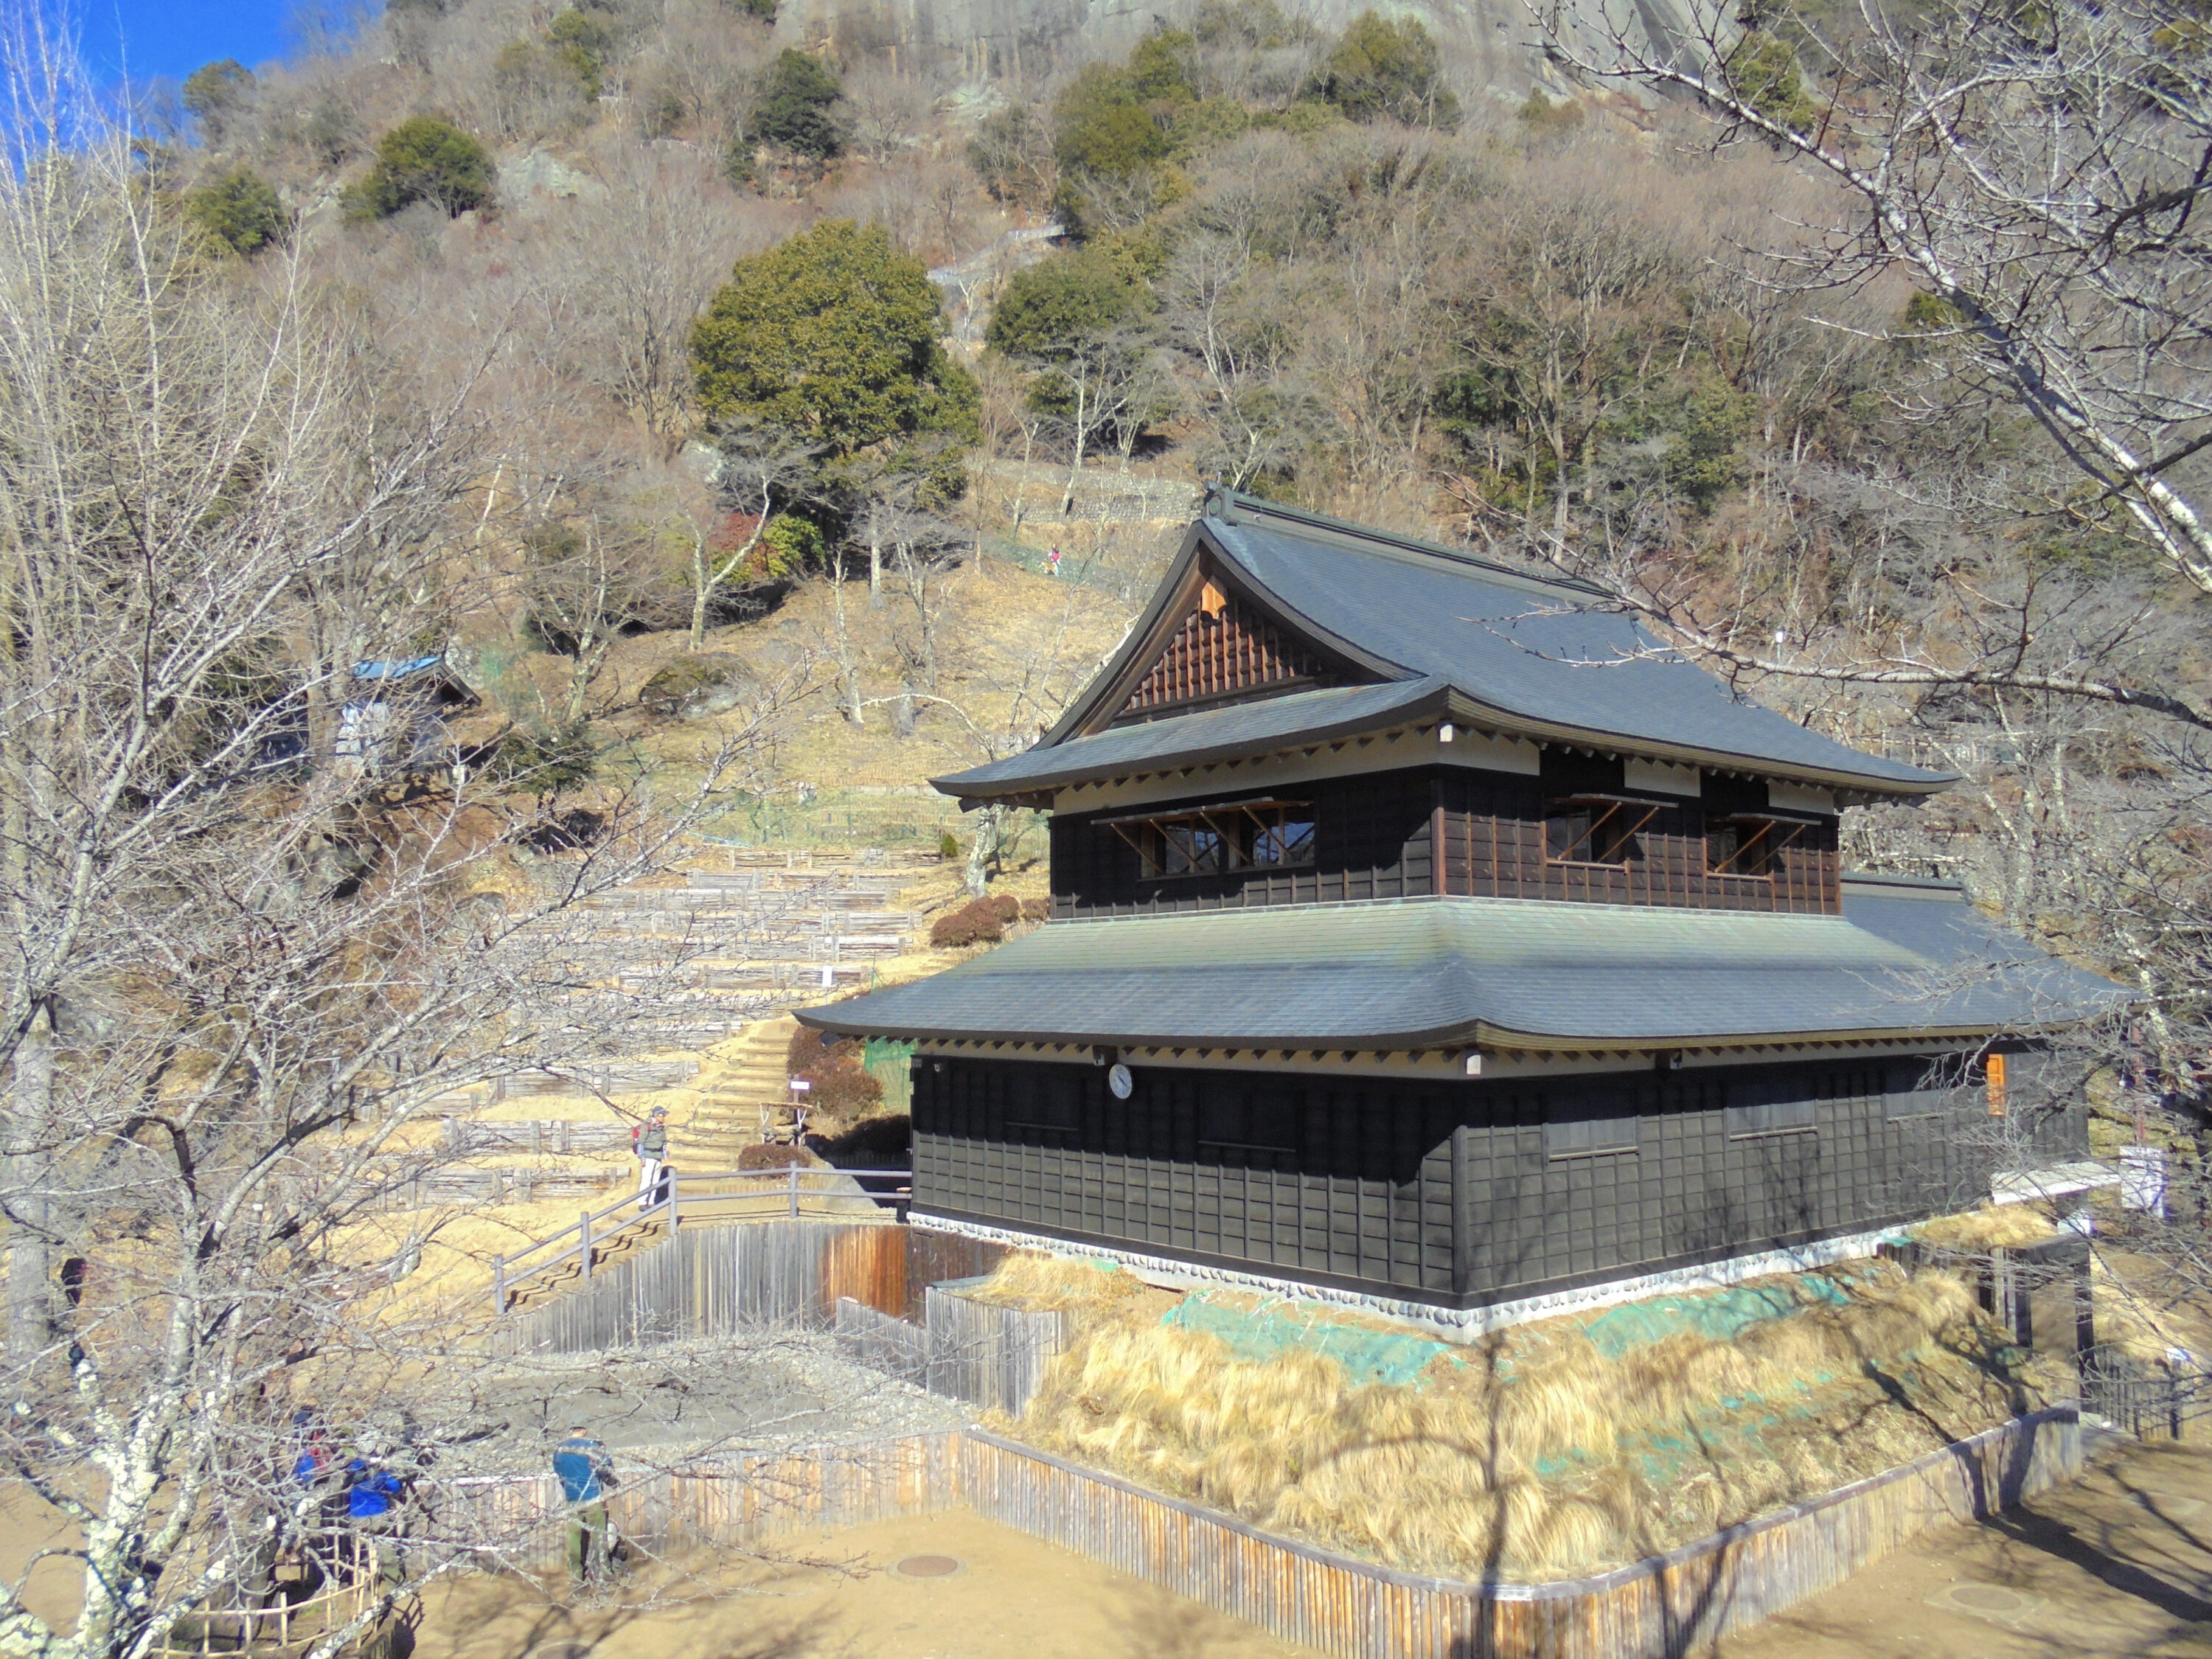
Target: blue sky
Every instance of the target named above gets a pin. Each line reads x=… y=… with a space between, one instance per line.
x=175 y=37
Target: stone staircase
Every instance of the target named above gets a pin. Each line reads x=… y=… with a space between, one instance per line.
x=732 y=946
x=753 y=1075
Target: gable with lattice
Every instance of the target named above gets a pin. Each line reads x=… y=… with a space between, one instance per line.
x=1223 y=649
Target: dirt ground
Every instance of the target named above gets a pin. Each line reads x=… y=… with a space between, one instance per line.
x=2118 y=1562
x=1012 y=1598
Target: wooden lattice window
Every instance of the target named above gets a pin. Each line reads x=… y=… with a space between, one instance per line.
x=1217 y=840
x=1748 y=844
x=1595 y=829
x=1222 y=648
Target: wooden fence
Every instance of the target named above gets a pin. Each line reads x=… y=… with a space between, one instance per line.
x=538 y=1136
x=724 y=1503
x=708 y=1281
x=1657 y=1608
x=986 y=1354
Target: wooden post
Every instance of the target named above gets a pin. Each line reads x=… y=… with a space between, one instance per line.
x=499 y=1284
x=584 y=1230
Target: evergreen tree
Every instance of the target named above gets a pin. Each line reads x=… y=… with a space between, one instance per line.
x=797 y=106
x=215 y=92
x=240 y=211
x=425 y=160
x=834 y=335
x=1380 y=69
x=1057 y=306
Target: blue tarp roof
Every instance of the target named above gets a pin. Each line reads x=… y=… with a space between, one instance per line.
x=396 y=669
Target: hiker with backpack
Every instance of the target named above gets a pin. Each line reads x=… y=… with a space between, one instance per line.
x=650 y=1142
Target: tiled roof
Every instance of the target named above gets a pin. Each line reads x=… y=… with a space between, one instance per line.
x=1540 y=659
x=1434 y=972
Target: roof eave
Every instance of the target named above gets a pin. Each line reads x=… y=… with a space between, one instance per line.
x=1505 y=722
x=1480 y=1035
x=1431 y=707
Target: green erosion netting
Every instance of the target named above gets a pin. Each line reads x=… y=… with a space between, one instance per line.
x=1274 y=1329
x=1372 y=1353
x=888 y=1061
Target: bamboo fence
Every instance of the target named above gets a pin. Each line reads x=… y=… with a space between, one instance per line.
x=1658 y=1608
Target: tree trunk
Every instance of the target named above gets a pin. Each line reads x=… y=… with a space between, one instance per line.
x=702 y=588
x=875 y=567
x=985 y=850
x=30 y=1314
x=848 y=674
x=1082 y=431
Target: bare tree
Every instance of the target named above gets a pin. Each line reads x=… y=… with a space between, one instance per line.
x=2038 y=174
x=231 y=983
x=588 y=580
x=759 y=468
x=644 y=251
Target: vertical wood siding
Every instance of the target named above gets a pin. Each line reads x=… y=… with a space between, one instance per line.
x=1216 y=656
x=1377 y=836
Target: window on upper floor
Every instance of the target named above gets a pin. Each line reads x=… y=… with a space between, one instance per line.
x=1232 y=839
x=1596 y=828
x=1748 y=843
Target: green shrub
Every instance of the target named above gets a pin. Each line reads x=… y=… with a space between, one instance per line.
x=546 y=762
x=240 y=210
x=580 y=43
x=795 y=112
x=1766 y=74
x=425 y=160
x=948 y=847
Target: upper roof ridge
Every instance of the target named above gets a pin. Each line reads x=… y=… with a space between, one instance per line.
x=1233 y=508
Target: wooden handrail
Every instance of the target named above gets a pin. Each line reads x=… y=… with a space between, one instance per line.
x=506 y=1282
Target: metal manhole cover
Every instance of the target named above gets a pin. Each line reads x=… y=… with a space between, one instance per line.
x=927 y=1567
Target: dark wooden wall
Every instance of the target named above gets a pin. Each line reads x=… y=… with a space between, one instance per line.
x=1453 y=1193
x=1371 y=841
x=1375 y=837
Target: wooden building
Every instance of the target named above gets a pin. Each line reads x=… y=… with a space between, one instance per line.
x=1425 y=933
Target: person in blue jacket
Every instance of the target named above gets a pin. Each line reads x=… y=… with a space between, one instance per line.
x=373 y=1494
x=585 y=1476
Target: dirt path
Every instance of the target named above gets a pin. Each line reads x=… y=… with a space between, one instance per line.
x=2119 y=1562
x=1011 y=1598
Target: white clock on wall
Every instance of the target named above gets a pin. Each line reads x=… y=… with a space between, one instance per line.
x=1120 y=1081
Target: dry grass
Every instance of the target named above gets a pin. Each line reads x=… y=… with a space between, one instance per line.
x=1992 y=1227
x=1529 y=1454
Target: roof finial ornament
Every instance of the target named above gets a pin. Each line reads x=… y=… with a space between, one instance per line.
x=1220 y=500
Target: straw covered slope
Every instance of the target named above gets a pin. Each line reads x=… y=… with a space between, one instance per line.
x=1549 y=1450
